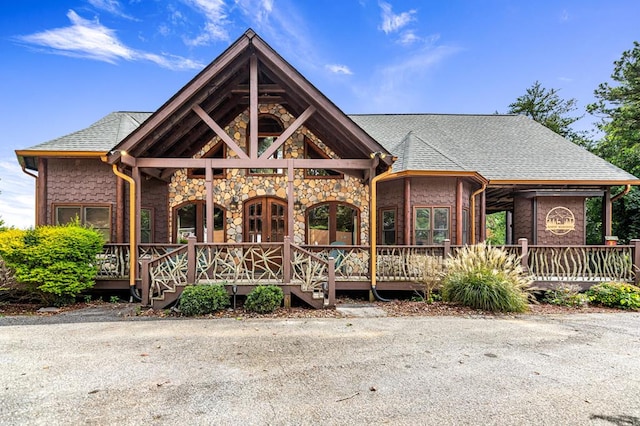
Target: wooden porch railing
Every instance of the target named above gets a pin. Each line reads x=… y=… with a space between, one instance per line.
x=239 y=264
x=315 y=268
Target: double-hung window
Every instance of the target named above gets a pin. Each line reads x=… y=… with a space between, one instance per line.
x=431 y=225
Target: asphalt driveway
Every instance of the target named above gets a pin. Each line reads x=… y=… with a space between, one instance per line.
x=539 y=370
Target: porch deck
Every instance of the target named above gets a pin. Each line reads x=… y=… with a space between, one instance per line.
x=314 y=273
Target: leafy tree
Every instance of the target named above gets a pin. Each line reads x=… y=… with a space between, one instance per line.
x=618 y=106
x=547 y=108
x=496 y=228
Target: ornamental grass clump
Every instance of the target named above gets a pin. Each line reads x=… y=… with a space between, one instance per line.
x=488 y=278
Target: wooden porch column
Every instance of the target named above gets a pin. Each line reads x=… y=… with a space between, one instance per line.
x=42 y=202
x=253 y=107
x=135 y=175
x=483 y=216
x=407 y=211
x=524 y=252
x=208 y=187
x=458 y=239
x=290 y=201
x=606 y=213
x=119 y=210
x=636 y=260
x=508 y=227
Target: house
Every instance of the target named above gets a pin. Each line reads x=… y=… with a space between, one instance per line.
x=249 y=151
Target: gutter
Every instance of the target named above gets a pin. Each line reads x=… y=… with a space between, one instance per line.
x=621 y=194
x=472 y=201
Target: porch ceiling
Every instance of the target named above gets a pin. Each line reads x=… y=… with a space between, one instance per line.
x=500 y=197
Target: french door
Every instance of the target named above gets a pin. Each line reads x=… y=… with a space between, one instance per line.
x=265 y=220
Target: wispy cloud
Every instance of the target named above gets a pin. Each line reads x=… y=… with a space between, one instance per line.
x=339 y=69
x=92 y=40
x=392 y=22
x=216 y=20
x=112 y=6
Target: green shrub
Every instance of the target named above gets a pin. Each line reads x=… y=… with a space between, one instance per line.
x=616 y=295
x=203 y=299
x=487 y=278
x=566 y=295
x=58 y=262
x=264 y=299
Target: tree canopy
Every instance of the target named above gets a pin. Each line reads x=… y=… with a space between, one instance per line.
x=547 y=108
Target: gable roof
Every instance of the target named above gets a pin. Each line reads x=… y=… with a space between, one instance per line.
x=223 y=90
x=502 y=148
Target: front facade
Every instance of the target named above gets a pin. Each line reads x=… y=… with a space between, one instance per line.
x=250 y=151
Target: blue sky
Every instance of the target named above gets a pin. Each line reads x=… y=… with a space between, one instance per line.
x=66 y=64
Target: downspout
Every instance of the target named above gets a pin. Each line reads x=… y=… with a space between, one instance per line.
x=373 y=234
x=472 y=201
x=133 y=250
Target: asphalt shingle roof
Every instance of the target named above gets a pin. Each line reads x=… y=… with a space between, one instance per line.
x=100 y=136
x=499 y=147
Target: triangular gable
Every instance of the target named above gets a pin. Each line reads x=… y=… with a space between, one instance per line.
x=247 y=74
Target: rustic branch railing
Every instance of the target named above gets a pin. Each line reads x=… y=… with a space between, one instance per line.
x=311 y=272
x=405 y=263
x=241 y=262
x=581 y=263
x=113 y=262
x=351 y=262
x=164 y=273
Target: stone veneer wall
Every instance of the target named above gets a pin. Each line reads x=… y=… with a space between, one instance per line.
x=242 y=186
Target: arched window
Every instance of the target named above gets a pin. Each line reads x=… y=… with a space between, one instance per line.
x=332 y=222
x=190 y=218
x=269 y=128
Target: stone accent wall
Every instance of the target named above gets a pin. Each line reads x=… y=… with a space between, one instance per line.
x=238 y=186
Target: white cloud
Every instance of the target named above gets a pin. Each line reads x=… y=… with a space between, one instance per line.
x=90 y=39
x=392 y=22
x=111 y=6
x=339 y=69
x=215 y=21
x=17 y=195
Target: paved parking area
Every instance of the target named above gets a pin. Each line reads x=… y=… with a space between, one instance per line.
x=540 y=370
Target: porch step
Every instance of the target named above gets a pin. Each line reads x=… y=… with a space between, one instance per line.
x=307 y=297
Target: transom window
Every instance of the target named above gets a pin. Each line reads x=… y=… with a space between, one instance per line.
x=269 y=128
x=431 y=225
x=331 y=223
x=96 y=217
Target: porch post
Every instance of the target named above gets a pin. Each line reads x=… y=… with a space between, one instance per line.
x=524 y=253
x=191 y=259
x=135 y=175
x=636 y=260
x=208 y=187
x=407 y=211
x=458 y=239
x=508 y=227
x=331 y=282
x=606 y=213
x=286 y=260
x=290 y=200
x=483 y=216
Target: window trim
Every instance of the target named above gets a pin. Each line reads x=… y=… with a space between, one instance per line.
x=201 y=212
x=381 y=230
x=333 y=209
x=82 y=207
x=266 y=135
x=431 y=222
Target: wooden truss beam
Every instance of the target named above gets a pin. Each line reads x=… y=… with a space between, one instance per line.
x=219 y=131
x=288 y=132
